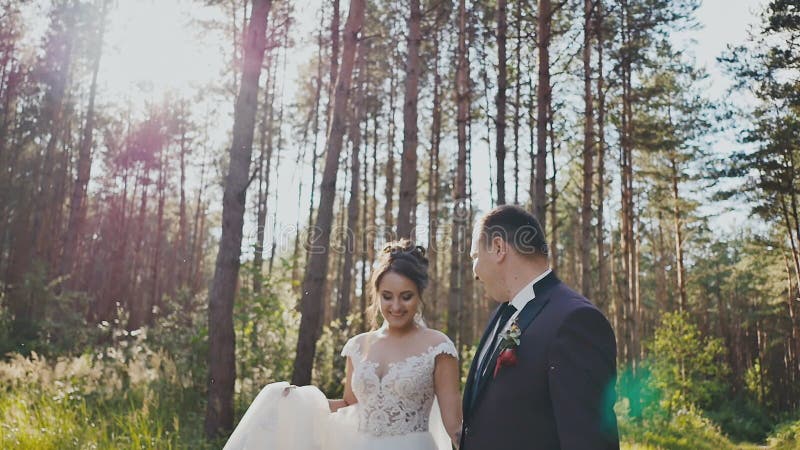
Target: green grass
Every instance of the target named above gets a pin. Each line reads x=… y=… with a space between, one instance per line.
x=135 y=400
x=142 y=418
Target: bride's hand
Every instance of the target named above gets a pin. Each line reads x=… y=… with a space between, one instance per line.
x=288 y=389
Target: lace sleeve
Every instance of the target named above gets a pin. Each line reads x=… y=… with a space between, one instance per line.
x=350 y=348
x=447 y=348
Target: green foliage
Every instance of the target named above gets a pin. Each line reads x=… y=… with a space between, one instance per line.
x=756 y=383
x=686 y=368
x=266 y=327
x=648 y=418
x=641 y=398
x=5 y=326
x=685 y=430
x=467 y=354
x=182 y=332
x=327 y=374
x=59 y=324
x=742 y=419
x=675 y=400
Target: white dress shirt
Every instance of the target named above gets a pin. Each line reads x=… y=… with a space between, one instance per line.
x=522 y=298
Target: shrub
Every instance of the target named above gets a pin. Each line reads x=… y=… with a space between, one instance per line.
x=786 y=436
x=687 y=429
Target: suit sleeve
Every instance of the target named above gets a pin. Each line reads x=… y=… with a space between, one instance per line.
x=582 y=377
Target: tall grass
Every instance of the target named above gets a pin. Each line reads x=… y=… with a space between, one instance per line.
x=89 y=402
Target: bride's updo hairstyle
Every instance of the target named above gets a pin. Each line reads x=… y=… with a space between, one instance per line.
x=404 y=258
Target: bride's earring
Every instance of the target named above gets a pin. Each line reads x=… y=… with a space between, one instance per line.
x=418 y=317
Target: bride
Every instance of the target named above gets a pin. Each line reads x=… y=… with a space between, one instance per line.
x=401 y=386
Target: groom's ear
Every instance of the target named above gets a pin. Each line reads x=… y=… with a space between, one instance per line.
x=500 y=247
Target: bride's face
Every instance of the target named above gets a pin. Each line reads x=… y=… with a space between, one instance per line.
x=399 y=300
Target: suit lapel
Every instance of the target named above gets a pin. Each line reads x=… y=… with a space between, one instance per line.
x=543 y=287
x=525 y=318
x=465 y=406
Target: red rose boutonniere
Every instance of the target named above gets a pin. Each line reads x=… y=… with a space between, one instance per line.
x=509 y=341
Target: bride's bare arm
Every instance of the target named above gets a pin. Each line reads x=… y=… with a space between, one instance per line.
x=349 y=397
x=446 y=385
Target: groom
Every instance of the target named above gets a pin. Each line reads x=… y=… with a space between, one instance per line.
x=555 y=388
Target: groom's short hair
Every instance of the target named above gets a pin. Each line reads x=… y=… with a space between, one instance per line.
x=517 y=227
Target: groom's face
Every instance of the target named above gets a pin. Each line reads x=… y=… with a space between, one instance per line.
x=485 y=265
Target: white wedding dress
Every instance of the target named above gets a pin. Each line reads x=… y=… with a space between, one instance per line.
x=396 y=409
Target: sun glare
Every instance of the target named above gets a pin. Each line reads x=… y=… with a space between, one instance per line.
x=158 y=46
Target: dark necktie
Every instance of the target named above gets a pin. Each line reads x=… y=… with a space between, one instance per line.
x=506 y=311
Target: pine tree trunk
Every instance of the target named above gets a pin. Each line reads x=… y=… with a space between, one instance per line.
x=198 y=282
x=473 y=319
x=680 y=270
x=627 y=243
x=335 y=23
x=314 y=155
x=195 y=258
x=389 y=190
x=433 y=187
x=662 y=285
x=335 y=279
x=500 y=101
x=155 y=293
x=279 y=146
x=793 y=241
x=517 y=96
x=222 y=367
x=371 y=226
x=554 y=255
x=407 y=204
x=618 y=318
x=137 y=305
x=183 y=232
x=263 y=175
x=637 y=293
x=55 y=115
x=343 y=301
x=77 y=210
x=367 y=213
x=317 y=266
x=543 y=95
x=460 y=213
x=793 y=345
x=796 y=220
x=588 y=154
x=725 y=333
x=532 y=142
x=117 y=282
x=602 y=295
x=10 y=83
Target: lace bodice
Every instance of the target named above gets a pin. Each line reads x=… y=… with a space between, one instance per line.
x=398 y=402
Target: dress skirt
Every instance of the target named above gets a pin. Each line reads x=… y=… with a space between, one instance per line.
x=302 y=421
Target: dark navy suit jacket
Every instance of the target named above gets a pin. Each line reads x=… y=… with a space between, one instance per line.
x=561 y=392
